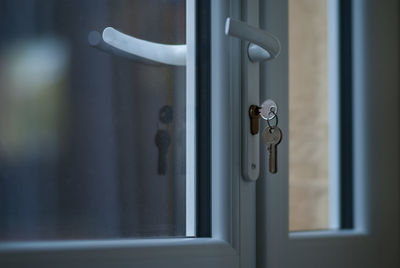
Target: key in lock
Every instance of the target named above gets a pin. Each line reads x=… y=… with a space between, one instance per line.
x=266 y=111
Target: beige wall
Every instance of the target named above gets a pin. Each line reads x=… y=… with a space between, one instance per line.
x=308 y=115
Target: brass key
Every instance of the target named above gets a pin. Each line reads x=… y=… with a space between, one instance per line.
x=272 y=136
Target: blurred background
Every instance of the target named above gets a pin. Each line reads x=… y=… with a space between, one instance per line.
x=310 y=114
x=78 y=157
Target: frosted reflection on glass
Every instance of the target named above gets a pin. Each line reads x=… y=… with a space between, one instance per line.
x=78 y=156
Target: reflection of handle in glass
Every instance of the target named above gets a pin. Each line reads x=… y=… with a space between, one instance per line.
x=263 y=46
x=117 y=43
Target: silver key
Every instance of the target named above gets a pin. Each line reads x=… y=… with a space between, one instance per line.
x=272 y=136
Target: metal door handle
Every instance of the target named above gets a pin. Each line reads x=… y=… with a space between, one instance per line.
x=115 y=42
x=259 y=47
x=263 y=46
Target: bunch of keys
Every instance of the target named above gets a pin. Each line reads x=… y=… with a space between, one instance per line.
x=271 y=135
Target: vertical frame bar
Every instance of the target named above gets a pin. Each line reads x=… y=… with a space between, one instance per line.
x=272 y=191
x=334 y=114
x=250 y=92
x=191 y=137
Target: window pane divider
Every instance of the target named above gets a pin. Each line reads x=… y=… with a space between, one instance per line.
x=327 y=234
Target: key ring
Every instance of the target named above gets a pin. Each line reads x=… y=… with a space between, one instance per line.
x=275 y=117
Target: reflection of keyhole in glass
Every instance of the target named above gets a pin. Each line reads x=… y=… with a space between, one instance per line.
x=163 y=138
x=162 y=141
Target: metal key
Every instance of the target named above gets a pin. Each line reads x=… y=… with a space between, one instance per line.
x=162 y=141
x=272 y=136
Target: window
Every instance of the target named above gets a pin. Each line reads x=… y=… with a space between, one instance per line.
x=366 y=231
x=205 y=212
x=80 y=160
x=111 y=128
x=320 y=127
x=312 y=114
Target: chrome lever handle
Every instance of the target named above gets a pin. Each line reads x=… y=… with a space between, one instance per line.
x=117 y=43
x=263 y=46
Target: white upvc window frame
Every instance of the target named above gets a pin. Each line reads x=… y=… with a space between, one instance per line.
x=232 y=242
x=374 y=240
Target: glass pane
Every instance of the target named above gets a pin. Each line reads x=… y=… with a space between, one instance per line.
x=78 y=153
x=310 y=116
